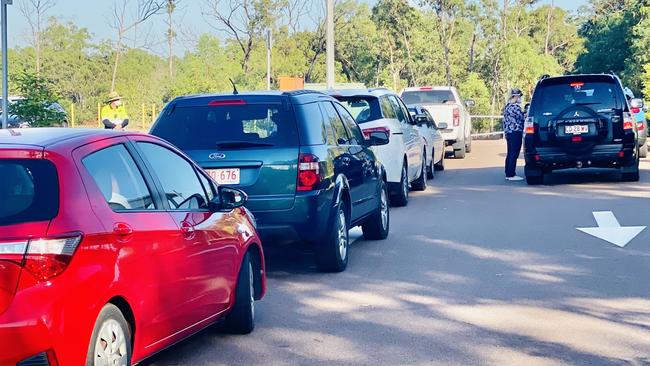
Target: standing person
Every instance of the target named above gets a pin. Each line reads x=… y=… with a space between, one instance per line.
x=513 y=128
x=114 y=114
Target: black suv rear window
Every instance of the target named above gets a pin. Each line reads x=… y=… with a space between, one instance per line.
x=29 y=191
x=363 y=109
x=228 y=127
x=428 y=97
x=601 y=96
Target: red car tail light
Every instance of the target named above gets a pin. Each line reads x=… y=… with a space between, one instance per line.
x=308 y=172
x=368 y=131
x=44 y=258
x=635 y=110
x=640 y=126
x=456 y=117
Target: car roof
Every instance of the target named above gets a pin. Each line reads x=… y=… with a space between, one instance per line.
x=565 y=78
x=294 y=97
x=44 y=137
x=372 y=92
x=428 y=88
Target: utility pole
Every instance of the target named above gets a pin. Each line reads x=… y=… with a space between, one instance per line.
x=330 y=44
x=5 y=62
x=269 y=46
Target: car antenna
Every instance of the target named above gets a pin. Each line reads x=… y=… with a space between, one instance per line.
x=234 y=87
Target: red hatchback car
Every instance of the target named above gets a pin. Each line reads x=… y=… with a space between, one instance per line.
x=114 y=246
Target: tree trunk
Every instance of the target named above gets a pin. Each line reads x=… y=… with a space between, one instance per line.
x=118 y=51
x=471 y=53
x=170 y=41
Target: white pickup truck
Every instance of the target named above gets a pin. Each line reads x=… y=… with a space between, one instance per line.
x=445 y=105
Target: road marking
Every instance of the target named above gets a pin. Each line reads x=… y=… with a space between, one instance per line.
x=609 y=229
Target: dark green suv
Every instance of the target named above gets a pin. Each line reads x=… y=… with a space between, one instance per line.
x=300 y=156
x=580 y=121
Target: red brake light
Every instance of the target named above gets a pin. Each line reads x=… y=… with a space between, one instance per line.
x=308 y=172
x=217 y=103
x=577 y=84
x=44 y=258
x=640 y=126
x=456 y=117
x=627 y=122
x=426 y=88
x=368 y=131
x=529 y=126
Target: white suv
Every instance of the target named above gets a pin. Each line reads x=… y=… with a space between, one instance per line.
x=404 y=157
x=445 y=105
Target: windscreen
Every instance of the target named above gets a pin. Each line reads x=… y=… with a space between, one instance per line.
x=228 y=127
x=29 y=191
x=428 y=97
x=551 y=100
x=363 y=109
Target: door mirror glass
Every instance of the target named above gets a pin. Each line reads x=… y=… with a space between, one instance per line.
x=443 y=125
x=421 y=119
x=470 y=103
x=378 y=138
x=228 y=199
x=636 y=103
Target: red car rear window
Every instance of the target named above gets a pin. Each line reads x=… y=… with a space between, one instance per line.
x=29 y=191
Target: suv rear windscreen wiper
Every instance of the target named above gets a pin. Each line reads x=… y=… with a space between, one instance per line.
x=588 y=103
x=242 y=144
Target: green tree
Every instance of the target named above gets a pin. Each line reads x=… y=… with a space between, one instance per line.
x=35 y=108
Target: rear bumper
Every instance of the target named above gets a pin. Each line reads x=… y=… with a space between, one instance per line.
x=601 y=156
x=307 y=220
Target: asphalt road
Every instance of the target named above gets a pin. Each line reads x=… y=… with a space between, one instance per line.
x=476 y=271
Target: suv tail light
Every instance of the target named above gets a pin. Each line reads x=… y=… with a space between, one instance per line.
x=308 y=172
x=368 y=131
x=456 y=117
x=44 y=258
x=529 y=126
x=628 y=124
x=635 y=110
x=640 y=126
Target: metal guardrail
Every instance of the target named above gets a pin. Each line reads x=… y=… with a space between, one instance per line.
x=489 y=132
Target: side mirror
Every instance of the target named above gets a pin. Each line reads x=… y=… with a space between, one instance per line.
x=378 y=138
x=636 y=103
x=443 y=126
x=421 y=119
x=228 y=198
x=470 y=103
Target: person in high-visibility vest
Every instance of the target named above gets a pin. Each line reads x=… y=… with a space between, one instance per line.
x=114 y=114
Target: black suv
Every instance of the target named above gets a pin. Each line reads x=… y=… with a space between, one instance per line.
x=300 y=156
x=580 y=121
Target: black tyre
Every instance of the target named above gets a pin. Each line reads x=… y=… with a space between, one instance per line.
x=110 y=343
x=440 y=166
x=461 y=153
x=431 y=171
x=401 y=198
x=377 y=226
x=643 y=151
x=534 y=180
x=420 y=184
x=241 y=319
x=468 y=147
x=332 y=253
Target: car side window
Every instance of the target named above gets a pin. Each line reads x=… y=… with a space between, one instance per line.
x=182 y=187
x=399 y=112
x=387 y=108
x=353 y=127
x=340 y=133
x=119 y=180
x=208 y=186
x=432 y=122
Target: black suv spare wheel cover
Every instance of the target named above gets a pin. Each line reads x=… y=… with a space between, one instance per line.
x=579 y=116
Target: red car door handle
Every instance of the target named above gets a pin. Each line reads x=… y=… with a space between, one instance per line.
x=187 y=228
x=122 y=229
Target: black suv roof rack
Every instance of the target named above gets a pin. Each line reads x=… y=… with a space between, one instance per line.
x=378 y=88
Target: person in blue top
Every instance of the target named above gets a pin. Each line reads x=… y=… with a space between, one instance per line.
x=513 y=128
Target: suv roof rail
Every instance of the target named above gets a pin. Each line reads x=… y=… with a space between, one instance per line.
x=294 y=93
x=378 y=88
x=545 y=76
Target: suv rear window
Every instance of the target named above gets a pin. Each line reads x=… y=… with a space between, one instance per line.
x=601 y=96
x=363 y=109
x=228 y=127
x=29 y=191
x=428 y=97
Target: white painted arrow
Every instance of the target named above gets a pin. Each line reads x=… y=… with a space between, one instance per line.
x=610 y=230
